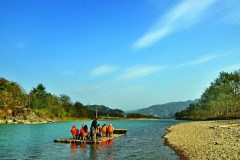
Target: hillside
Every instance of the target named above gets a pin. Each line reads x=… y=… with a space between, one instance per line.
x=106 y=111
x=167 y=110
x=40 y=106
x=37 y=106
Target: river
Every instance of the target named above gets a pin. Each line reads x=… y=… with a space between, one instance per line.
x=35 y=141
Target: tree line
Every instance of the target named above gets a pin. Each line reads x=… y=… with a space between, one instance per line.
x=221 y=100
x=44 y=104
x=137 y=115
x=49 y=106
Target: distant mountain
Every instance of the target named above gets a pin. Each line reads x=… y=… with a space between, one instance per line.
x=106 y=111
x=167 y=110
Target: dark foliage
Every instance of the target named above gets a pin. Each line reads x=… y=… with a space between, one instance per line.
x=221 y=100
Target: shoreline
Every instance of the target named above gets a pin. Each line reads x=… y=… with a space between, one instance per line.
x=107 y=119
x=205 y=139
x=4 y=121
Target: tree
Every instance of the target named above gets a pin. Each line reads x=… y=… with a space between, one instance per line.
x=39 y=98
x=221 y=100
x=11 y=94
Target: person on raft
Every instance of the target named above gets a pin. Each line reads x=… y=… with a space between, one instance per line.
x=74 y=132
x=104 y=130
x=83 y=132
x=93 y=130
x=98 y=131
x=110 y=130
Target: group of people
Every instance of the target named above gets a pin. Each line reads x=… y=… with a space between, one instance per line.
x=95 y=131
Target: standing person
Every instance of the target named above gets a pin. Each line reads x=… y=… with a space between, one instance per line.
x=93 y=130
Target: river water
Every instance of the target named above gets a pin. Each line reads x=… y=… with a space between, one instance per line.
x=35 y=141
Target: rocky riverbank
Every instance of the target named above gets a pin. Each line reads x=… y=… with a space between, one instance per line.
x=205 y=140
x=21 y=115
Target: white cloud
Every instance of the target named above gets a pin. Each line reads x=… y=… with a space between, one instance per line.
x=201 y=60
x=103 y=70
x=140 y=71
x=182 y=16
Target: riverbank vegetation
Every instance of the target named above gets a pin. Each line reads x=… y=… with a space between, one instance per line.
x=137 y=116
x=49 y=106
x=221 y=100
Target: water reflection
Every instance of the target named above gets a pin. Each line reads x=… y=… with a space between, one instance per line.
x=83 y=150
x=104 y=144
x=73 y=147
x=110 y=150
x=92 y=151
x=110 y=142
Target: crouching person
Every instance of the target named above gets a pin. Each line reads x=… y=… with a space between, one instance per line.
x=110 y=130
x=98 y=131
x=84 y=132
x=74 y=132
x=104 y=130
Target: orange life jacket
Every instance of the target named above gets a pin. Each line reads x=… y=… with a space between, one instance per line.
x=110 y=129
x=82 y=131
x=74 y=131
x=97 y=130
x=104 y=129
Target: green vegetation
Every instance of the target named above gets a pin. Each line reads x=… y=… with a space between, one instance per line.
x=137 y=115
x=105 y=111
x=44 y=104
x=219 y=101
x=11 y=94
x=50 y=106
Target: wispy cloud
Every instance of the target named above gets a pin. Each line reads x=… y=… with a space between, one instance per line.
x=182 y=16
x=201 y=60
x=103 y=70
x=140 y=71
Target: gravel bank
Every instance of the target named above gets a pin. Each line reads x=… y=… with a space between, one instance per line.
x=206 y=140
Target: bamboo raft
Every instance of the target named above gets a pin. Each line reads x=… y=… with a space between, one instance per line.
x=117 y=133
x=120 y=131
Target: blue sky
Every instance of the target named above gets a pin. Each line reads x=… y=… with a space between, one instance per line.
x=122 y=54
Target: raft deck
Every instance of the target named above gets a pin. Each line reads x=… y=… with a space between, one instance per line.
x=117 y=133
x=120 y=131
x=100 y=140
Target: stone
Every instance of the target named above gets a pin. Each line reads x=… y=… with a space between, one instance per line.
x=22 y=115
x=9 y=121
x=9 y=112
x=2 y=121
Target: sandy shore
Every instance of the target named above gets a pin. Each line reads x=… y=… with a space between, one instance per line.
x=206 y=140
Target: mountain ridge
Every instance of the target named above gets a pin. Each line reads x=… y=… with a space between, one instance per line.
x=166 y=110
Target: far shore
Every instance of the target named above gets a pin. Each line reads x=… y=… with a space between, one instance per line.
x=201 y=140
x=103 y=119
x=3 y=121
